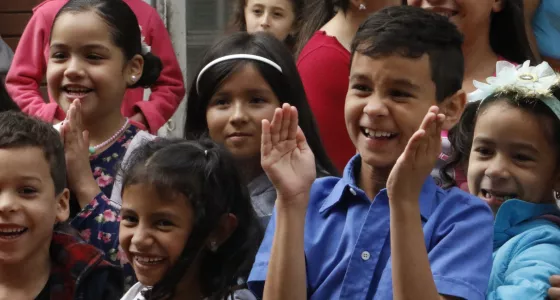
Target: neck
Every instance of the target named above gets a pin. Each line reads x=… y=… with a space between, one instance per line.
x=480 y=60
x=249 y=168
x=372 y=180
x=344 y=26
x=189 y=287
x=101 y=129
x=26 y=279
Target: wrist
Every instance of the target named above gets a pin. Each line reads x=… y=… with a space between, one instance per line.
x=405 y=204
x=293 y=204
x=86 y=191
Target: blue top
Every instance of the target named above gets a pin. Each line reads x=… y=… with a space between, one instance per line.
x=347 y=241
x=546 y=26
x=526 y=251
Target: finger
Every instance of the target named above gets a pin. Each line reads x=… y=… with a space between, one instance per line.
x=275 y=126
x=554 y=293
x=78 y=114
x=286 y=119
x=266 y=142
x=85 y=137
x=294 y=121
x=555 y=281
x=427 y=120
x=301 y=140
x=413 y=144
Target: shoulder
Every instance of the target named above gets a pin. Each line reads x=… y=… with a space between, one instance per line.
x=456 y=205
x=538 y=232
x=323 y=48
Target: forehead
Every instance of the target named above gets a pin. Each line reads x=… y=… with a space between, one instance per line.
x=499 y=120
x=284 y=4
x=246 y=77
x=386 y=69
x=145 y=198
x=24 y=162
x=77 y=28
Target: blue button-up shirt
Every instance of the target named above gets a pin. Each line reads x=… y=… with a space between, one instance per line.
x=347 y=241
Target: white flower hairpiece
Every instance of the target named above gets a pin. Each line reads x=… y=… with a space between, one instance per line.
x=527 y=81
x=145 y=48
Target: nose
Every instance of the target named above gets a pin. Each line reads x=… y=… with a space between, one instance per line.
x=141 y=237
x=239 y=114
x=375 y=107
x=8 y=202
x=265 y=21
x=498 y=167
x=74 y=69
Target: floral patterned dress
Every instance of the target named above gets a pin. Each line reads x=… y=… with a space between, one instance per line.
x=98 y=222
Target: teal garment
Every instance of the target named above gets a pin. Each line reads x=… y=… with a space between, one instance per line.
x=526 y=250
x=546 y=26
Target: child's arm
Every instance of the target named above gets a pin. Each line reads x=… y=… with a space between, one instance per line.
x=169 y=90
x=290 y=164
x=28 y=69
x=527 y=275
x=440 y=275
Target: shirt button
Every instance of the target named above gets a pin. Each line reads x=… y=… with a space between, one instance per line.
x=365 y=255
x=353 y=191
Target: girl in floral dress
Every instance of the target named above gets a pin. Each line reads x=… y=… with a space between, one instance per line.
x=96 y=53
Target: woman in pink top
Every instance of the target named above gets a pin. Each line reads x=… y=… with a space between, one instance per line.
x=324 y=66
x=30 y=60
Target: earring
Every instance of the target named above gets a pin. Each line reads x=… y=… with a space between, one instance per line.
x=213 y=246
x=134 y=78
x=362 y=6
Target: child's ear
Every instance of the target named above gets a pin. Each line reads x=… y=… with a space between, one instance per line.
x=452 y=108
x=228 y=224
x=134 y=69
x=63 y=206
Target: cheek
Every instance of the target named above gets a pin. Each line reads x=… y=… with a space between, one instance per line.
x=125 y=236
x=216 y=121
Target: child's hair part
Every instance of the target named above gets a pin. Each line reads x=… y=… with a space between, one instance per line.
x=412 y=32
x=125 y=32
x=6 y=102
x=286 y=85
x=205 y=173
x=239 y=23
x=508 y=37
x=20 y=131
x=461 y=135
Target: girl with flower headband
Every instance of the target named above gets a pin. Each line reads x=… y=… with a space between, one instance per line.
x=242 y=80
x=508 y=140
x=96 y=54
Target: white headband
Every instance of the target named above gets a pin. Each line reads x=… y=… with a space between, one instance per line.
x=236 y=56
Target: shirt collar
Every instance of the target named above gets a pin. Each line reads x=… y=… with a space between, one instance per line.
x=514 y=212
x=348 y=184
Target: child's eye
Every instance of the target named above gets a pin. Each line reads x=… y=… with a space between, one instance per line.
x=129 y=220
x=94 y=57
x=361 y=87
x=58 y=55
x=279 y=15
x=164 y=223
x=28 y=191
x=399 y=94
x=522 y=157
x=483 y=151
x=220 y=102
x=257 y=11
x=258 y=100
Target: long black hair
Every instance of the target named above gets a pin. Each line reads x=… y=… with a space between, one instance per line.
x=461 y=135
x=125 y=31
x=204 y=172
x=239 y=23
x=508 y=37
x=6 y=102
x=287 y=86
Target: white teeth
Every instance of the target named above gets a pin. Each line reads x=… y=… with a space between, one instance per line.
x=377 y=134
x=142 y=259
x=12 y=230
x=77 y=90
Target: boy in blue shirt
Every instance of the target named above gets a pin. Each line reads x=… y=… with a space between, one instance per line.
x=384 y=230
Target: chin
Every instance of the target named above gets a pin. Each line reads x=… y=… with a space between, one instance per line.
x=376 y=160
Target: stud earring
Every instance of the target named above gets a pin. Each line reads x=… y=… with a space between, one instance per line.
x=362 y=7
x=213 y=246
x=134 y=78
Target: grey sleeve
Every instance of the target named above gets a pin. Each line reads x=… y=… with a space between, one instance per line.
x=6 y=56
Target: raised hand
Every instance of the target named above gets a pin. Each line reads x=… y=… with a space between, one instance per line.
x=418 y=158
x=285 y=155
x=76 y=144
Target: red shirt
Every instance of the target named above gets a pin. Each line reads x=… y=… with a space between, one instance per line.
x=324 y=67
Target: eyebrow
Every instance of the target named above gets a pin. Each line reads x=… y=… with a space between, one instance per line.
x=359 y=76
x=88 y=46
x=518 y=145
x=405 y=83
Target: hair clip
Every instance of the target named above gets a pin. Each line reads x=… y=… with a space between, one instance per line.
x=206 y=153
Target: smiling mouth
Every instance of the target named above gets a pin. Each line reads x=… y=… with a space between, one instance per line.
x=377 y=134
x=445 y=12
x=148 y=261
x=12 y=233
x=497 y=196
x=76 y=92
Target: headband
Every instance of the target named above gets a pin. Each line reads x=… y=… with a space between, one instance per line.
x=236 y=56
x=526 y=81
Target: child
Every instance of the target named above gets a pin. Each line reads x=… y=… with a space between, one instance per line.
x=384 y=229
x=324 y=63
x=35 y=261
x=243 y=79
x=281 y=18
x=510 y=139
x=95 y=55
x=32 y=56
x=187 y=223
